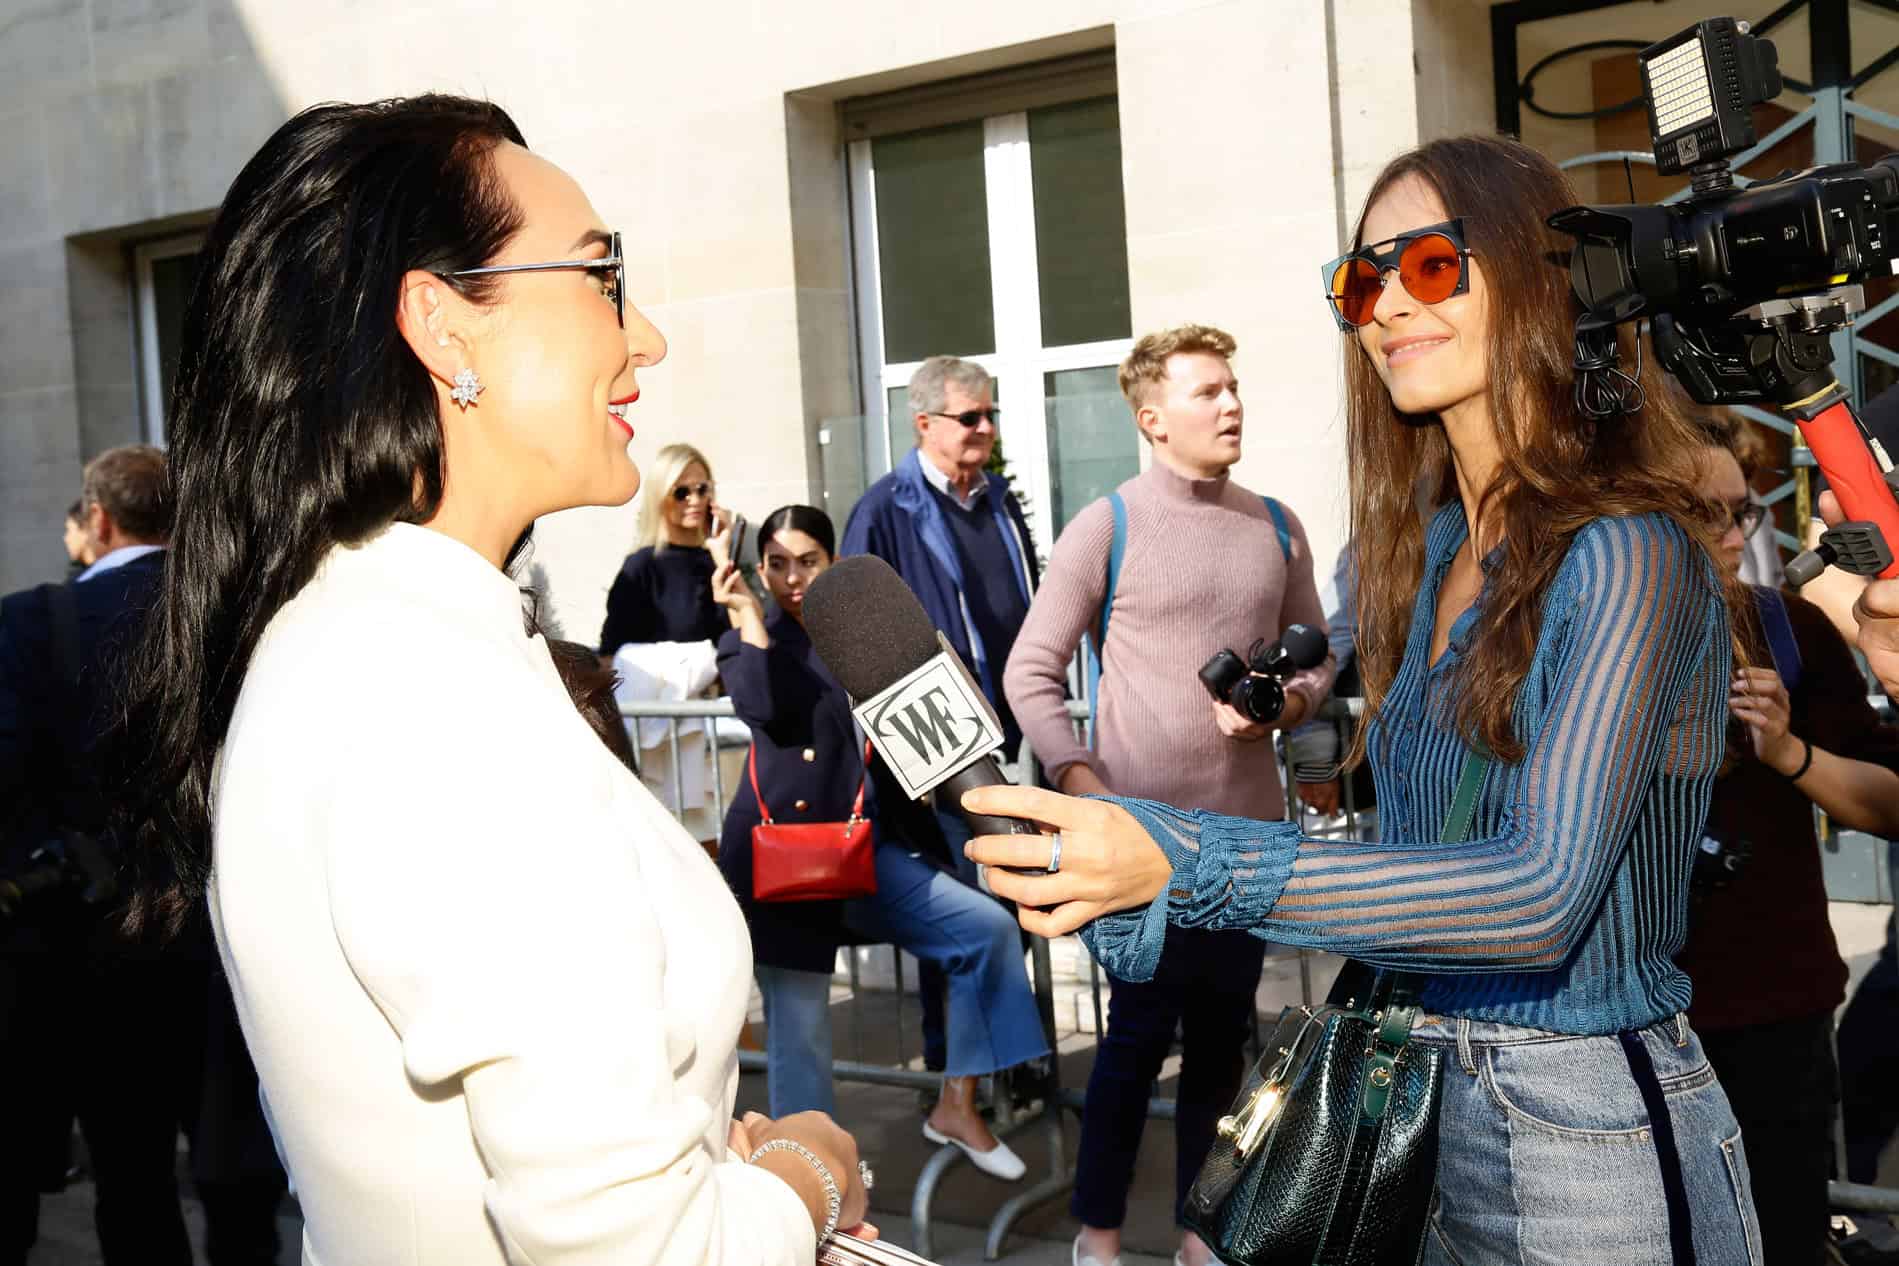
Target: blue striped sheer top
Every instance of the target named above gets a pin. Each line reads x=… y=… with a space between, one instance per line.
x=1566 y=905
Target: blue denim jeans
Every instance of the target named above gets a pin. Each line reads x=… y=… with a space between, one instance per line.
x=797 y=1039
x=930 y=983
x=1546 y=1154
x=993 y=1023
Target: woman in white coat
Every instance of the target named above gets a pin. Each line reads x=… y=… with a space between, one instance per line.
x=494 y=992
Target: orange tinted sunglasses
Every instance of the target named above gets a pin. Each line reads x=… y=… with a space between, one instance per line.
x=1429 y=262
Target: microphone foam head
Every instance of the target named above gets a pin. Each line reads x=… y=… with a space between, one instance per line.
x=866 y=625
x=1305 y=645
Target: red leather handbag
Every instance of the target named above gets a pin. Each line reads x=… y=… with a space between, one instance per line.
x=812 y=861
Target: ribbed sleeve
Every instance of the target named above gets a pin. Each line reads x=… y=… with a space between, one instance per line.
x=1564 y=909
x=1066 y=606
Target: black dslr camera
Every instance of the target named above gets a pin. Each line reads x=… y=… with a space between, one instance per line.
x=1256 y=686
x=1743 y=287
x=73 y=865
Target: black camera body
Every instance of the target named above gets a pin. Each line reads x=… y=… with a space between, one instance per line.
x=1742 y=285
x=1707 y=258
x=1255 y=686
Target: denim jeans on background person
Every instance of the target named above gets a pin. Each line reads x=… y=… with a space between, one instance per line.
x=797 y=1039
x=930 y=982
x=1546 y=1154
x=1205 y=985
x=992 y=1020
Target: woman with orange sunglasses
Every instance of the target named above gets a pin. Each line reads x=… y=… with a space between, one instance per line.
x=1561 y=615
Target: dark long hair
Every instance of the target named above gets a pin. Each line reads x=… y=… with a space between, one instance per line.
x=1558 y=470
x=300 y=419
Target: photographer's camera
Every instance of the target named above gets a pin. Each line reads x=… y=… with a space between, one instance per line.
x=1255 y=686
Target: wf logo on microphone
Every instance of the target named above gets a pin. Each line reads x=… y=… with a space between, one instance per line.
x=930 y=724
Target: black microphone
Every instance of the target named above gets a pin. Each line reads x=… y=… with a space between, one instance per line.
x=1300 y=646
x=916 y=700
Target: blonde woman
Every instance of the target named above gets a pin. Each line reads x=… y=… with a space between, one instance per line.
x=664 y=590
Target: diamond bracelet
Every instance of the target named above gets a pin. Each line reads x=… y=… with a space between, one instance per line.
x=834 y=1199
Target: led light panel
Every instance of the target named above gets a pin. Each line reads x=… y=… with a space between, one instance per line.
x=1678 y=85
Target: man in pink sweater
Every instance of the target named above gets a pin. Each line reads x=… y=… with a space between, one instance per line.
x=1206 y=565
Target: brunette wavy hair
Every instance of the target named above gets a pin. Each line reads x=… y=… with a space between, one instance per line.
x=1559 y=469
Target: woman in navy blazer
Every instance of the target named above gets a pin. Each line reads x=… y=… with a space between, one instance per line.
x=810 y=762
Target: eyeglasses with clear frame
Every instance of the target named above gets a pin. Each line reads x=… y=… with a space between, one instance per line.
x=613 y=264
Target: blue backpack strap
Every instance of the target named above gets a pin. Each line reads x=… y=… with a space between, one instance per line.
x=1778 y=629
x=1116 y=548
x=1280 y=526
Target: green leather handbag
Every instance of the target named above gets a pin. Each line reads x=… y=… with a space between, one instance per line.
x=1329 y=1157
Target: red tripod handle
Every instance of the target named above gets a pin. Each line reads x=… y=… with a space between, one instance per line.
x=1853 y=473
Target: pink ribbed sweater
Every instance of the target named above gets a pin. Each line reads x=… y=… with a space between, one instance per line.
x=1202 y=570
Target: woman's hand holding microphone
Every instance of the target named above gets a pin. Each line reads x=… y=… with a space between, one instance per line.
x=1107 y=861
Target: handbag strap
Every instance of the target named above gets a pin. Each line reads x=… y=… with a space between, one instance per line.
x=1458 y=821
x=1395 y=990
x=1394 y=1006
x=1379 y=989
x=751 y=770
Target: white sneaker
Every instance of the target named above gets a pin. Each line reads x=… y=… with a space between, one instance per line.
x=997 y=1162
x=1088 y=1259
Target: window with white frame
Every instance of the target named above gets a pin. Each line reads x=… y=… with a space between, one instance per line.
x=163 y=274
x=1003 y=240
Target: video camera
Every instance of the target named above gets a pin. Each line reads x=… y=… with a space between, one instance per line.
x=1742 y=288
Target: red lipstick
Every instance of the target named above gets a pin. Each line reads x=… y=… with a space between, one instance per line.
x=616 y=409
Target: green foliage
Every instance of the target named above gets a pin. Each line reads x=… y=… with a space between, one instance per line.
x=999 y=465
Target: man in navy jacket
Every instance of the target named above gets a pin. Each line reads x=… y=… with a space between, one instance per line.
x=954 y=532
x=958 y=538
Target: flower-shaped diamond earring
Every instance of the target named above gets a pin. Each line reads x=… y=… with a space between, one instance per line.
x=467 y=387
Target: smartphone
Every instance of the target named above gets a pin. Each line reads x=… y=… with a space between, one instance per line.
x=735 y=541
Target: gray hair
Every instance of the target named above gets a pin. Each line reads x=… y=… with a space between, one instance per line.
x=928 y=384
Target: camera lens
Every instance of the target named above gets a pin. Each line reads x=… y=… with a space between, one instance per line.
x=1259 y=699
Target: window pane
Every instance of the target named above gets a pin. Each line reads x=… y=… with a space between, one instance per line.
x=841 y=465
x=1092 y=443
x=172 y=279
x=903 y=428
x=1081 y=235
x=933 y=243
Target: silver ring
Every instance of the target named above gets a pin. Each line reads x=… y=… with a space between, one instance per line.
x=865 y=1176
x=1055 y=853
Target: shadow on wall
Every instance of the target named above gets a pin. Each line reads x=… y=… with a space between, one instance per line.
x=121 y=124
